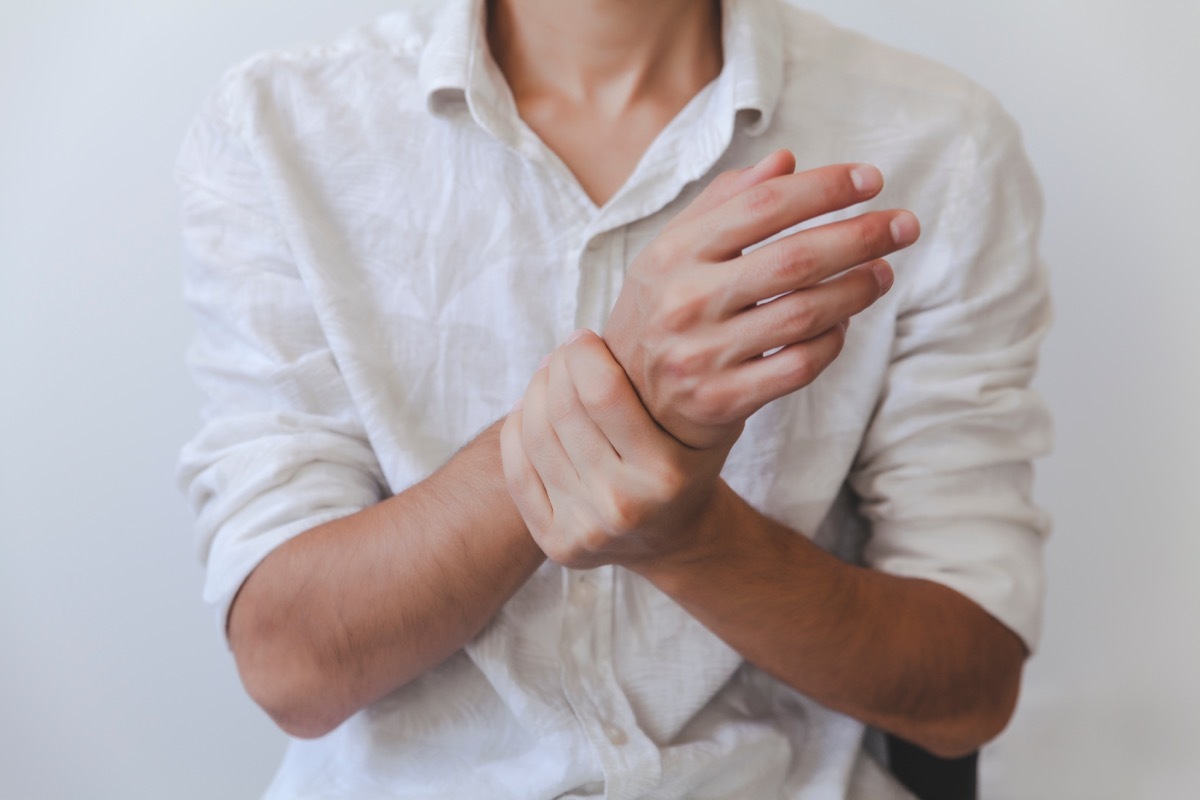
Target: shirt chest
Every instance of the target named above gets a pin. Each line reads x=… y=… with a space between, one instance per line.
x=445 y=265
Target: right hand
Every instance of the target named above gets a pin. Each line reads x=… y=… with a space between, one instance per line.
x=688 y=328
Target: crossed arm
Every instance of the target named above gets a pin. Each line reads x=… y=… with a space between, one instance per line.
x=614 y=457
x=597 y=481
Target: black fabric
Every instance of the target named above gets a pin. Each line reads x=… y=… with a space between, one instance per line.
x=932 y=778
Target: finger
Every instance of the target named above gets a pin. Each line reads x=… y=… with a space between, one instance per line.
x=609 y=398
x=748 y=387
x=774 y=205
x=584 y=443
x=810 y=256
x=807 y=313
x=524 y=485
x=731 y=183
x=541 y=444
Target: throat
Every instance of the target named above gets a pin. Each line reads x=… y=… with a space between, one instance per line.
x=598 y=81
x=601 y=151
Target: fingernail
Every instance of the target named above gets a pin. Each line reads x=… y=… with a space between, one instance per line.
x=545 y=362
x=883 y=274
x=575 y=335
x=517 y=405
x=905 y=229
x=867 y=179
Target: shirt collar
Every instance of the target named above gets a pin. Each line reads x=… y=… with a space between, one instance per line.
x=456 y=65
x=446 y=58
x=752 y=37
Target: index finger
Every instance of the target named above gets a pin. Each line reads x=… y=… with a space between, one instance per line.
x=767 y=208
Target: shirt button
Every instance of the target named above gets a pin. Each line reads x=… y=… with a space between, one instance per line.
x=615 y=734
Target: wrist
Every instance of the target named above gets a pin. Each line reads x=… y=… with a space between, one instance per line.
x=710 y=537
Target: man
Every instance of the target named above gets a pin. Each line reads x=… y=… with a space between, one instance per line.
x=678 y=567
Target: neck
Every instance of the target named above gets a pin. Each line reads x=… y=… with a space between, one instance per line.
x=606 y=54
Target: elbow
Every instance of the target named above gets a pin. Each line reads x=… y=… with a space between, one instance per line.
x=284 y=678
x=956 y=742
x=292 y=694
x=977 y=699
x=299 y=723
x=292 y=711
x=972 y=726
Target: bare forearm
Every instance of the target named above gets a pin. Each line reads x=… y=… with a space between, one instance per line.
x=615 y=454
x=351 y=610
x=909 y=656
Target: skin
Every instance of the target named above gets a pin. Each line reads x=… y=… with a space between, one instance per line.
x=615 y=454
x=600 y=478
x=611 y=71
x=338 y=617
x=599 y=482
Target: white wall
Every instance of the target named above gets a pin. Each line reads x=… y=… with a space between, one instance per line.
x=113 y=683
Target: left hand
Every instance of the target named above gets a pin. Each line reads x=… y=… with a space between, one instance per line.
x=596 y=480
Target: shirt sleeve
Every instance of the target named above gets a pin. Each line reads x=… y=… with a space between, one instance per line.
x=944 y=474
x=281 y=448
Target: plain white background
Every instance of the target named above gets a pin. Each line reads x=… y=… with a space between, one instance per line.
x=113 y=682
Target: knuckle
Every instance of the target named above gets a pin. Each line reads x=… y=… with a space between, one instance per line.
x=713 y=406
x=666 y=481
x=572 y=550
x=556 y=550
x=834 y=185
x=559 y=406
x=863 y=236
x=592 y=540
x=803 y=367
x=684 y=366
x=795 y=261
x=602 y=390
x=683 y=307
x=724 y=182
x=667 y=251
x=623 y=511
x=801 y=314
x=762 y=201
x=531 y=436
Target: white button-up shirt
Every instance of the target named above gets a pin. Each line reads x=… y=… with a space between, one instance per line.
x=380 y=252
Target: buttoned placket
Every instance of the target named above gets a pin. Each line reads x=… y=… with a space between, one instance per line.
x=595 y=268
x=629 y=758
x=600 y=266
x=631 y=761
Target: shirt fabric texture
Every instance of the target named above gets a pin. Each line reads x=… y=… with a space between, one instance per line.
x=380 y=252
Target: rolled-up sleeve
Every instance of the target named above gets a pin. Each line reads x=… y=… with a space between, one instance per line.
x=945 y=471
x=281 y=448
